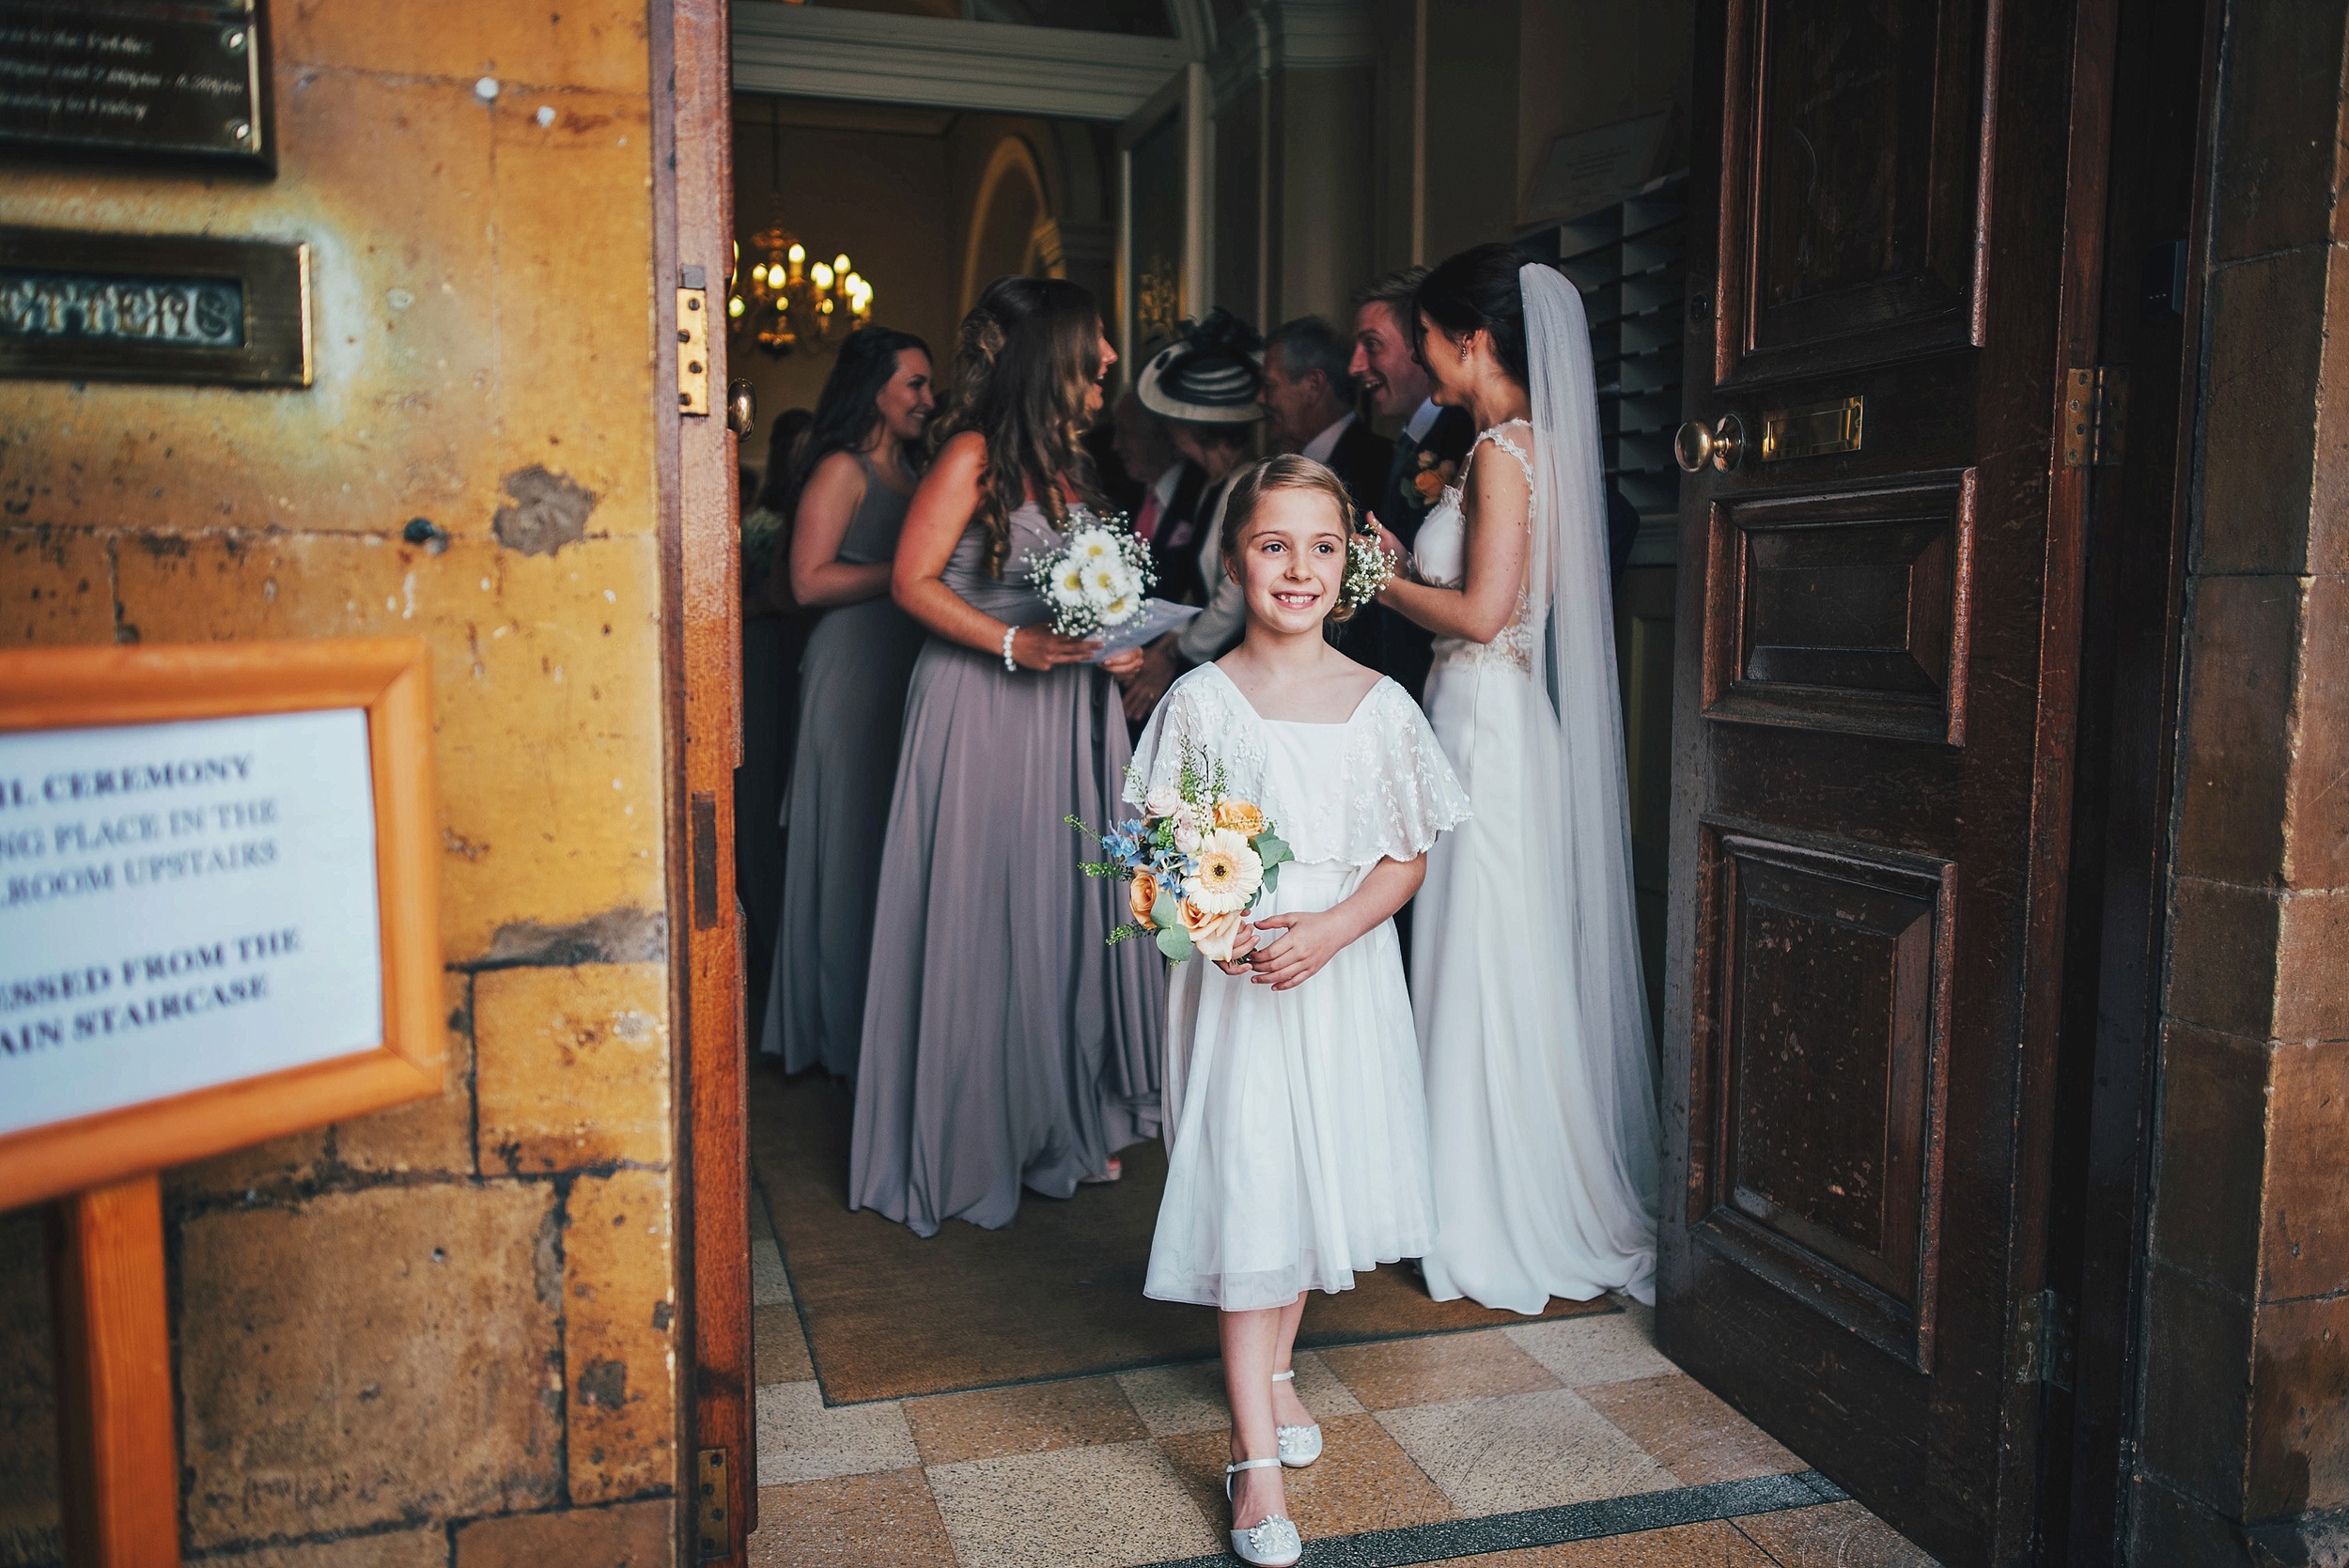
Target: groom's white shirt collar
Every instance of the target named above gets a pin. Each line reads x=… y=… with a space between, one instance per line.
x=1421 y=421
x=1319 y=448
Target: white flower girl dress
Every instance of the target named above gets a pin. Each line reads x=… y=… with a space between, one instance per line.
x=1295 y=1124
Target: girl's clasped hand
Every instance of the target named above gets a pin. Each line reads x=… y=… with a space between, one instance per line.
x=1308 y=940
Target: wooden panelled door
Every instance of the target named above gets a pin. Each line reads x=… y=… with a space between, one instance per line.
x=1893 y=265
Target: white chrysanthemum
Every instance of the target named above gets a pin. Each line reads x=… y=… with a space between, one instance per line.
x=1092 y=545
x=1229 y=873
x=1069 y=584
x=1109 y=579
x=1117 y=612
x=1162 y=802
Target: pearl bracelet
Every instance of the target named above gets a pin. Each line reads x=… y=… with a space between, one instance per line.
x=1010 y=668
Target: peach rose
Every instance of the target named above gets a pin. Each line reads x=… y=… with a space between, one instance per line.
x=1244 y=817
x=1142 y=896
x=1429 y=483
x=1214 y=936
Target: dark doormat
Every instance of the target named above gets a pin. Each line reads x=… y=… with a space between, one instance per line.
x=1057 y=1294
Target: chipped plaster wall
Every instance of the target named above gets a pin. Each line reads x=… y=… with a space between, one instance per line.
x=446 y=1334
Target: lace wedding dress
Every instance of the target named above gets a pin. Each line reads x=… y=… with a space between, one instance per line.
x=1525 y=980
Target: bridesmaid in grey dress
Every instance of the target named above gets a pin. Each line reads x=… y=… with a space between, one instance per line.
x=855 y=476
x=1006 y=1043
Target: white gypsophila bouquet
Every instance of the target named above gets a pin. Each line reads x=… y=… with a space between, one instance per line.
x=1096 y=579
x=1368 y=569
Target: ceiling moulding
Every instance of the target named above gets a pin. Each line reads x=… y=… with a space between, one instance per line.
x=874 y=57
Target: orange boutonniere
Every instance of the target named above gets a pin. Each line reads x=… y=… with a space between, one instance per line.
x=1428 y=482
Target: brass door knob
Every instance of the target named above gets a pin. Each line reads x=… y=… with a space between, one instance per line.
x=741 y=407
x=1693 y=445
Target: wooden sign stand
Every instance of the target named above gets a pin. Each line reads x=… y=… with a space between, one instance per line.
x=119 y=1453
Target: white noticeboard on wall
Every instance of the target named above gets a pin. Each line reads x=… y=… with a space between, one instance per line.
x=182 y=906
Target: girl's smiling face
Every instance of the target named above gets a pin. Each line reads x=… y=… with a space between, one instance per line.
x=1292 y=561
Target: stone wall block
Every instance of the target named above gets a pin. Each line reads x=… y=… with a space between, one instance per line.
x=2304 y=1248
x=2299 y=1449
x=572 y=1066
x=401 y=419
x=2312 y=981
x=571 y=288
x=583 y=44
x=2276 y=183
x=2328 y=551
x=271 y=1167
x=2316 y=809
x=2198 y=1387
x=628 y=1535
x=2214 y=1109
x=2222 y=956
x=366 y=1357
x=28 y=1392
x=2259 y=414
x=620 y=1336
x=56 y=584
x=545 y=683
x=403 y=1548
x=2177 y=1532
x=434 y=1135
x=2235 y=751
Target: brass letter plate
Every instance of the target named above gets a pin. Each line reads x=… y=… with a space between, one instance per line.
x=142 y=308
x=711 y=1516
x=1816 y=431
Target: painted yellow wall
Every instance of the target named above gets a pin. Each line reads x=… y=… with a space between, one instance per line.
x=462 y=1312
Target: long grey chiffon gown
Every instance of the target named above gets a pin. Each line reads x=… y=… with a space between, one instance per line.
x=852 y=698
x=1006 y=1043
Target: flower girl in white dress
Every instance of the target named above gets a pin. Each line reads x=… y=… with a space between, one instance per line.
x=1297 y=1127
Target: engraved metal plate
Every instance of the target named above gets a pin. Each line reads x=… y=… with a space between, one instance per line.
x=138 y=307
x=1815 y=431
x=147 y=80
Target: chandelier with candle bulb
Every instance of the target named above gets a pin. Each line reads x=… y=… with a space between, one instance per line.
x=790 y=305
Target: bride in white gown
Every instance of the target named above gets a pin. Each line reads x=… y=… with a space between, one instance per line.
x=1525 y=974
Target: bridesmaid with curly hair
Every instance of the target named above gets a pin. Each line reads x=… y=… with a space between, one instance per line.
x=1006 y=1045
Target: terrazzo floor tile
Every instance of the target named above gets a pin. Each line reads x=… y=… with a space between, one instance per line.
x=769 y=1285
x=1524 y=1451
x=1189 y=1397
x=1833 y=1535
x=1028 y=1418
x=778 y=1348
x=1711 y=1544
x=1441 y=1367
x=1581 y=1351
x=1689 y=1430
x=887 y=1520
x=1362 y=1481
x=762 y=1223
x=799 y=1440
x=1111 y=1506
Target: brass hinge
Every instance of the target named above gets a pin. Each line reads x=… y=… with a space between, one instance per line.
x=2095 y=415
x=692 y=350
x=710 y=1516
x=2044 y=1332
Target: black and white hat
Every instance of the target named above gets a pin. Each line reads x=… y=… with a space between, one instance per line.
x=1208 y=376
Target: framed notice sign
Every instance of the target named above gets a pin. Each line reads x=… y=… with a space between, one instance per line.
x=217 y=901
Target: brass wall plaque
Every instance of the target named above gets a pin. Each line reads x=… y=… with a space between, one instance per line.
x=1816 y=431
x=142 y=307
x=147 y=80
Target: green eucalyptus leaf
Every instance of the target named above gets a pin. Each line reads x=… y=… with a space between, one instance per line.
x=1175 y=943
x=1167 y=913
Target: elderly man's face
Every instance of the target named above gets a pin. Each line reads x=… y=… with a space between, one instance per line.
x=1297 y=407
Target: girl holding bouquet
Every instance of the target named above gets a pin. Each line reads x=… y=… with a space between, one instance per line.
x=1005 y=1043
x=1297 y=1126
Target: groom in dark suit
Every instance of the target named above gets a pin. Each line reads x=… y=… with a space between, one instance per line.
x=1427 y=458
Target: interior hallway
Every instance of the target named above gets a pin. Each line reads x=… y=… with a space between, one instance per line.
x=1564 y=1443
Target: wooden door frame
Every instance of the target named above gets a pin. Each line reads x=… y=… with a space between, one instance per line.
x=701 y=664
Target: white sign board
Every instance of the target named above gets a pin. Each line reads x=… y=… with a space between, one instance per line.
x=182 y=906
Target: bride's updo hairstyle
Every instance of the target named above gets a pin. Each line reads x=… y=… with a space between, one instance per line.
x=1476 y=290
x=1030 y=350
x=1290 y=471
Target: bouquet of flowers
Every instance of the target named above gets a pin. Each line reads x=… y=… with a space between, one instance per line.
x=1096 y=579
x=1195 y=861
x=1368 y=567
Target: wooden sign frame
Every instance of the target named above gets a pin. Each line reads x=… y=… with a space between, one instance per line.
x=63 y=689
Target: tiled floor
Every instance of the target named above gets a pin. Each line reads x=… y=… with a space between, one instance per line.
x=1565 y=1444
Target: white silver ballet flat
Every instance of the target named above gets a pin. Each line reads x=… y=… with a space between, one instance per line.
x=1272 y=1542
x=1300 y=1445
